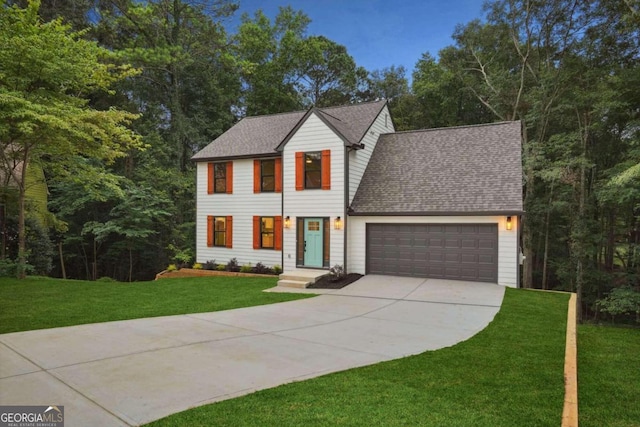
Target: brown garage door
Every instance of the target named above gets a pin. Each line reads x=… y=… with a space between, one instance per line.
x=445 y=251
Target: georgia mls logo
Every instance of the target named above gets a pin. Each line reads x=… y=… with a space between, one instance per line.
x=32 y=416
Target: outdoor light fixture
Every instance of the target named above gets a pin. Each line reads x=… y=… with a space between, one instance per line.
x=287 y=222
x=509 y=223
x=337 y=223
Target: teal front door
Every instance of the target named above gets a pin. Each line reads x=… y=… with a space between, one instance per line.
x=313 y=242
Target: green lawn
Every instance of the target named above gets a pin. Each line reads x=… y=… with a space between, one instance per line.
x=39 y=302
x=510 y=374
x=608 y=376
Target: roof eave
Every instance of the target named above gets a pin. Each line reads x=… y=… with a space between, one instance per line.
x=240 y=157
x=506 y=212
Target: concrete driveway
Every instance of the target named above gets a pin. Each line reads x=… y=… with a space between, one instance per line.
x=135 y=371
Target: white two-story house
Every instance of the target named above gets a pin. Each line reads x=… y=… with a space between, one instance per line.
x=338 y=186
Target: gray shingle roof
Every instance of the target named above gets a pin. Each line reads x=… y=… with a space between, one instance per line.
x=467 y=169
x=261 y=135
x=251 y=136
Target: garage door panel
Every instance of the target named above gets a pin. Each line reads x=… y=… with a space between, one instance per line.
x=451 y=251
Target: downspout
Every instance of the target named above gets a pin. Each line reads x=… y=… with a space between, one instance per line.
x=518 y=251
x=346 y=206
x=282 y=211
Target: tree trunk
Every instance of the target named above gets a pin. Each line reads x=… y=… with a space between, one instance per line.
x=130 y=263
x=22 y=239
x=64 y=271
x=546 y=240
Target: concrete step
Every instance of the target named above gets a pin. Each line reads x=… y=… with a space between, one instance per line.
x=301 y=278
x=293 y=283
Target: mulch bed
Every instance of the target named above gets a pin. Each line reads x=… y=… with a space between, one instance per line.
x=327 y=282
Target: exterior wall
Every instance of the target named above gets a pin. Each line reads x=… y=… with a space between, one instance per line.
x=359 y=159
x=507 y=240
x=242 y=205
x=313 y=135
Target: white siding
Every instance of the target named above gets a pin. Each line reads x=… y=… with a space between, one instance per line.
x=507 y=240
x=313 y=135
x=242 y=205
x=359 y=159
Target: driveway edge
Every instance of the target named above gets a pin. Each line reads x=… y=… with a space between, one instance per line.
x=570 y=410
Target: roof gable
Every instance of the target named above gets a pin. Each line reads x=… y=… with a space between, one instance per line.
x=466 y=169
x=264 y=135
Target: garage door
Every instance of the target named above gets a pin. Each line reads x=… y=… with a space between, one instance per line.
x=445 y=251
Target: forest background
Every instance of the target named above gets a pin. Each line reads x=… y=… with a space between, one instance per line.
x=109 y=99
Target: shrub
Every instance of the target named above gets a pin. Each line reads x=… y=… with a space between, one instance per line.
x=276 y=269
x=233 y=265
x=8 y=268
x=221 y=267
x=197 y=266
x=260 y=268
x=106 y=279
x=337 y=272
x=246 y=268
x=210 y=265
x=623 y=300
x=172 y=267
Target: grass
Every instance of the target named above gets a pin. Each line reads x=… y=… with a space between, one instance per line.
x=608 y=376
x=39 y=302
x=510 y=374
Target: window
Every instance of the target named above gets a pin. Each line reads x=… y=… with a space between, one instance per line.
x=313 y=170
x=220 y=231
x=268 y=175
x=220 y=177
x=267 y=232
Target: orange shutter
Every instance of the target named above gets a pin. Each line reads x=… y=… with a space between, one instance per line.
x=326 y=169
x=229 y=177
x=256 y=232
x=299 y=171
x=210 y=178
x=209 y=231
x=278 y=175
x=278 y=233
x=229 y=242
x=256 y=176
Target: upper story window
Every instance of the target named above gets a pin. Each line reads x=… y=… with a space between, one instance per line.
x=220 y=178
x=268 y=175
x=313 y=170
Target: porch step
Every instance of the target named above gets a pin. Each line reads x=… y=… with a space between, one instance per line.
x=300 y=278
x=293 y=283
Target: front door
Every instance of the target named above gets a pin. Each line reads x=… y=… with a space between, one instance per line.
x=313 y=242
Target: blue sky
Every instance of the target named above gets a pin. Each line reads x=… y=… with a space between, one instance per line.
x=380 y=33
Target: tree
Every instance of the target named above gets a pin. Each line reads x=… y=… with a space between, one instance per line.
x=268 y=55
x=328 y=74
x=47 y=75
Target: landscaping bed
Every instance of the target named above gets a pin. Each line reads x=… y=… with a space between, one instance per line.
x=192 y=272
x=330 y=282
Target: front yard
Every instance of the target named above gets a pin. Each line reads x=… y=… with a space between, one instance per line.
x=39 y=302
x=510 y=374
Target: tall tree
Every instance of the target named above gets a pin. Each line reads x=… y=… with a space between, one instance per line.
x=328 y=74
x=268 y=55
x=47 y=74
